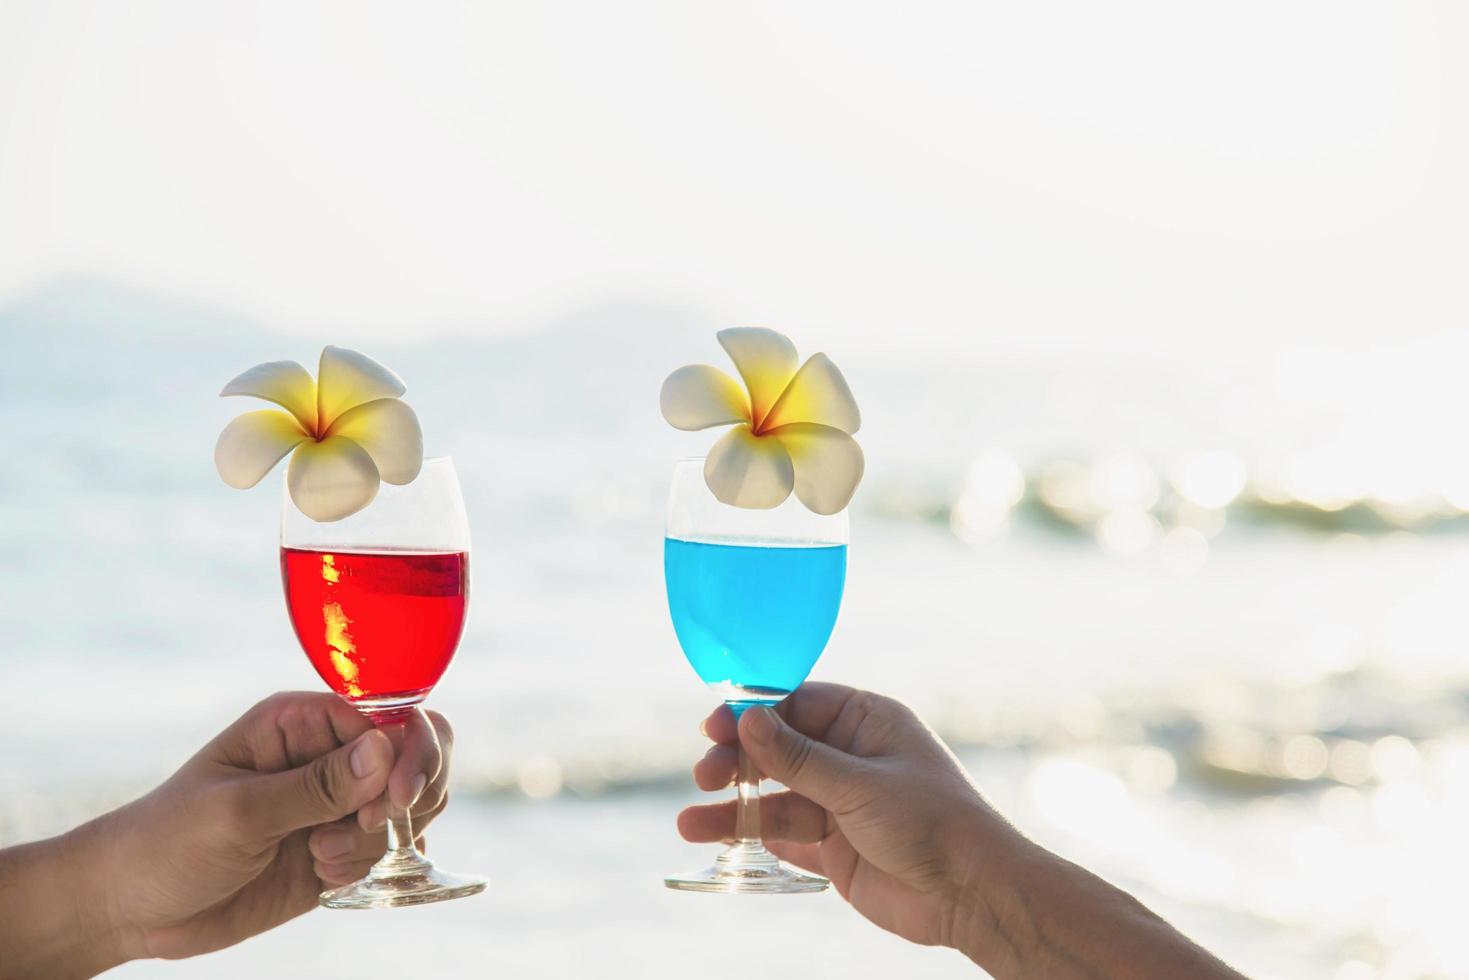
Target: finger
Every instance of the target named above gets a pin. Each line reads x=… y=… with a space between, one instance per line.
x=313 y=725
x=839 y=861
x=326 y=789
x=436 y=794
x=804 y=856
x=810 y=709
x=373 y=816
x=720 y=726
x=431 y=801
x=817 y=771
x=288 y=730
x=337 y=875
x=421 y=755
x=334 y=874
x=717 y=769
x=784 y=816
x=814 y=706
x=345 y=840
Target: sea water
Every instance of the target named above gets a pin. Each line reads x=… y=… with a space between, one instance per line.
x=753 y=619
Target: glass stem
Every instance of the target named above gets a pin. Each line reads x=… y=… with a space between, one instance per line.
x=747 y=809
x=401 y=852
x=400 y=836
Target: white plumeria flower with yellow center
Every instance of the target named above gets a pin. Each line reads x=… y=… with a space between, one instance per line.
x=792 y=428
x=347 y=428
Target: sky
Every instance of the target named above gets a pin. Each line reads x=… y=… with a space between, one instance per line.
x=950 y=175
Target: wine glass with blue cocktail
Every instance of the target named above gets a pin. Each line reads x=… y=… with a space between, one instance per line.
x=755 y=552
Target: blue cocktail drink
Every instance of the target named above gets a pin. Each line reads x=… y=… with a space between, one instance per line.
x=751 y=618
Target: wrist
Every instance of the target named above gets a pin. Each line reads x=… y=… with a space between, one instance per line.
x=990 y=913
x=1027 y=913
x=87 y=877
x=53 y=918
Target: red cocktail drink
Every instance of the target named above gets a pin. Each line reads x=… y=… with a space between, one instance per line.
x=379 y=627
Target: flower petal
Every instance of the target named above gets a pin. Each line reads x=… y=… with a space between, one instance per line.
x=286 y=383
x=766 y=361
x=699 y=396
x=818 y=393
x=332 y=479
x=828 y=464
x=389 y=431
x=744 y=470
x=251 y=445
x=346 y=379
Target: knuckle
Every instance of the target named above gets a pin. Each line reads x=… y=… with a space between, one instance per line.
x=796 y=754
x=277 y=702
x=867 y=703
x=899 y=710
x=321 y=784
x=442 y=726
x=290 y=718
x=883 y=719
x=434 y=800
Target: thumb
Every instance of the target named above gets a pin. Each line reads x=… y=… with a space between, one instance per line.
x=327 y=788
x=814 y=769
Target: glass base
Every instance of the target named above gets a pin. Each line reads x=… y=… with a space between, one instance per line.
x=742 y=696
x=748 y=868
x=402 y=883
x=388 y=708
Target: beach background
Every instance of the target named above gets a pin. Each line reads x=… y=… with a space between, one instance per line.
x=1164 y=523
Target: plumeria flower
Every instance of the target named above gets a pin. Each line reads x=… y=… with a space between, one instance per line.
x=792 y=428
x=347 y=428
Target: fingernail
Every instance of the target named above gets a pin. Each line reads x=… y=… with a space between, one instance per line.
x=374 y=816
x=333 y=844
x=704 y=728
x=362 y=761
x=762 y=726
x=419 y=782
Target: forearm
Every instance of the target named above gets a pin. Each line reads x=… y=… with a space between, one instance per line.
x=52 y=922
x=1033 y=914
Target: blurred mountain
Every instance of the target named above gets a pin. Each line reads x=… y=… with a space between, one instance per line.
x=81 y=340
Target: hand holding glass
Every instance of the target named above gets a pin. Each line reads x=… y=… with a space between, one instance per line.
x=754 y=596
x=378 y=602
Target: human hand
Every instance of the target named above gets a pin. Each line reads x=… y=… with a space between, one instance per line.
x=879 y=805
x=245 y=835
x=875 y=802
